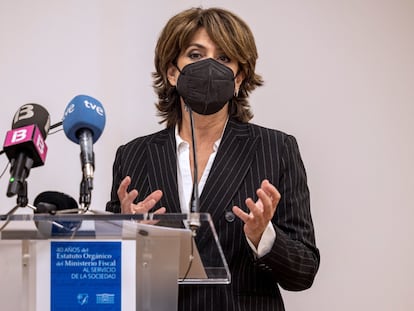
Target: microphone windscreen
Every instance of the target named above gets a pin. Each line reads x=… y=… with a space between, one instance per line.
x=30 y=114
x=51 y=202
x=83 y=112
x=60 y=200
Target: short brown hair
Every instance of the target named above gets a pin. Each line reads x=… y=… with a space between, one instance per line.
x=227 y=31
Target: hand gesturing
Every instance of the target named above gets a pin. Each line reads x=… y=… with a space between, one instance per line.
x=261 y=211
x=127 y=198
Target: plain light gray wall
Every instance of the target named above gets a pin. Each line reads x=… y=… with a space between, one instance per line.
x=339 y=76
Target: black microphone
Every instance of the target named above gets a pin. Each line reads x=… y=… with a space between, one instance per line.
x=25 y=146
x=54 y=202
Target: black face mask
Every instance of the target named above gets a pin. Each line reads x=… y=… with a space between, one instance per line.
x=206 y=85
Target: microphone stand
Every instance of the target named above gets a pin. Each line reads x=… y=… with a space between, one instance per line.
x=20 y=169
x=85 y=195
x=87 y=158
x=194 y=216
x=21 y=201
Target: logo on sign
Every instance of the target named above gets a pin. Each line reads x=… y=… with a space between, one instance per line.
x=25 y=112
x=19 y=135
x=82 y=299
x=40 y=144
x=91 y=105
x=105 y=299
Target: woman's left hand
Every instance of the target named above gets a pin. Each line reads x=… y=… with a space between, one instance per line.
x=261 y=211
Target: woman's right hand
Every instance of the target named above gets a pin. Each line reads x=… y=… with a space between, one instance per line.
x=127 y=200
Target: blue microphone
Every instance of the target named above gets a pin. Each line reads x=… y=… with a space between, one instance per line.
x=83 y=123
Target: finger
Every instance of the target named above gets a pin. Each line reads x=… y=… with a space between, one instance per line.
x=123 y=186
x=161 y=210
x=144 y=207
x=240 y=213
x=127 y=202
x=151 y=199
x=271 y=191
x=156 y=196
x=267 y=203
x=273 y=194
x=148 y=203
x=254 y=207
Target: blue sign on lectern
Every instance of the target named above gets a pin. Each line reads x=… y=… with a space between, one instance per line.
x=85 y=276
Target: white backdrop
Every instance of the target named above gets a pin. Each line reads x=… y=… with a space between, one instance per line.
x=339 y=76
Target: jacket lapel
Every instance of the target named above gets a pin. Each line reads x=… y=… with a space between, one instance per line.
x=162 y=169
x=232 y=162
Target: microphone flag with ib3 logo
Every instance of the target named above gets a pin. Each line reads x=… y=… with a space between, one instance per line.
x=25 y=144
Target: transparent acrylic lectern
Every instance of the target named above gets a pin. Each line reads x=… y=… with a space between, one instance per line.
x=44 y=257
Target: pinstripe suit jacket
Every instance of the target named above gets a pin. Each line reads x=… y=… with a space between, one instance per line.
x=247 y=154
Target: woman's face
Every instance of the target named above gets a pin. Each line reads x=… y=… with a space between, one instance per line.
x=202 y=47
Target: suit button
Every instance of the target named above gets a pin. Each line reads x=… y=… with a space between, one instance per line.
x=229 y=216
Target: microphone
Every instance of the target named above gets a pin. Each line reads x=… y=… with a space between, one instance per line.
x=53 y=202
x=83 y=123
x=194 y=217
x=25 y=146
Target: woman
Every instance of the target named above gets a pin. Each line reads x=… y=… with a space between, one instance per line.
x=251 y=179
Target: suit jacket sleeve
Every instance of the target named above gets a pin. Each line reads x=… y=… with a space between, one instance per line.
x=294 y=258
x=114 y=205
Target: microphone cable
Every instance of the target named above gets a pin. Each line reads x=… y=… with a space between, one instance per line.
x=5 y=170
x=55 y=126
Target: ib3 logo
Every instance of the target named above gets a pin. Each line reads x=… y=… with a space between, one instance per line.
x=28 y=133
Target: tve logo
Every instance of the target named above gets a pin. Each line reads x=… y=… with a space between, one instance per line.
x=88 y=103
x=93 y=106
x=69 y=109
